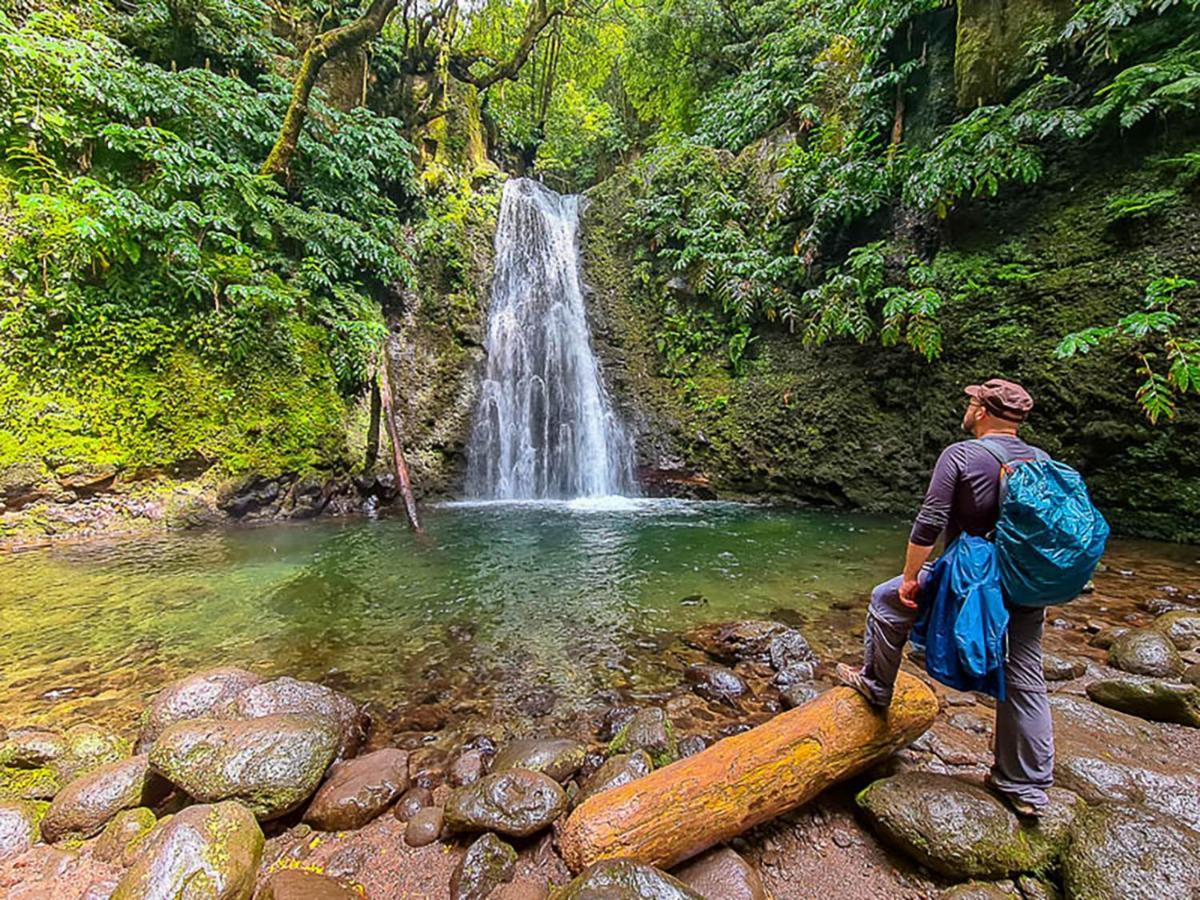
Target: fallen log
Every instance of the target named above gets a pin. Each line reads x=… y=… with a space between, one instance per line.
x=682 y=809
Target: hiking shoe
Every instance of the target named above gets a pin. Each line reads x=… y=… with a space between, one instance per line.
x=853 y=678
x=1022 y=808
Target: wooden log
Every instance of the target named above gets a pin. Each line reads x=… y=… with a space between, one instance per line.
x=682 y=809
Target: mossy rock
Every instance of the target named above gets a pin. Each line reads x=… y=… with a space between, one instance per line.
x=991 y=59
x=487 y=864
x=650 y=730
x=124 y=834
x=20 y=822
x=1131 y=853
x=1158 y=701
x=624 y=878
x=41 y=783
x=1145 y=651
x=1181 y=626
x=963 y=831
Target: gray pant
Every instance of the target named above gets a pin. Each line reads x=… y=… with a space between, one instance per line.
x=1024 y=739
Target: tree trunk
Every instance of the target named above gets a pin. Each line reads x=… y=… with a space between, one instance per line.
x=744 y=780
x=403 y=483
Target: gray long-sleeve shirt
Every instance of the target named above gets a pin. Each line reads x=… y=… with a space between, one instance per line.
x=964 y=490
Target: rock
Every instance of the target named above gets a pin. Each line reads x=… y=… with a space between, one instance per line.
x=413 y=801
x=648 y=730
x=1055 y=668
x=981 y=890
x=691 y=745
x=193 y=697
x=721 y=874
x=487 y=864
x=35 y=763
x=617 y=770
x=427 y=767
x=1103 y=781
x=307 y=698
x=467 y=768
x=424 y=827
x=1131 y=853
x=736 y=641
x=715 y=683
x=559 y=758
x=1037 y=888
x=614 y=719
x=798 y=694
x=32 y=748
x=87 y=804
x=790 y=648
x=300 y=884
x=203 y=851
x=962 y=831
x=796 y=673
x=358 y=790
x=1182 y=627
x=625 y=879
x=1158 y=701
x=272 y=764
x=124 y=833
x=16 y=783
x=1144 y=651
x=515 y=802
x=20 y=822
x=88 y=748
x=1105 y=637
x=1191 y=675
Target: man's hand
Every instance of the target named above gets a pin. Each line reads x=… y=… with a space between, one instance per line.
x=910 y=586
x=909 y=589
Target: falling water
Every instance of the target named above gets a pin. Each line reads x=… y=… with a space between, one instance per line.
x=545 y=427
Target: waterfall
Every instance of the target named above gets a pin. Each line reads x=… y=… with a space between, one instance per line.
x=544 y=427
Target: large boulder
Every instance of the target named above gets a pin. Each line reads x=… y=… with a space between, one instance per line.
x=20 y=822
x=1181 y=626
x=733 y=642
x=559 y=758
x=303 y=698
x=86 y=805
x=722 y=874
x=648 y=730
x=193 y=697
x=1145 y=651
x=204 y=851
x=487 y=864
x=963 y=831
x=516 y=802
x=271 y=764
x=616 y=771
x=1158 y=701
x=358 y=790
x=35 y=763
x=124 y=834
x=300 y=884
x=625 y=879
x=1131 y=853
x=715 y=683
x=1100 y=780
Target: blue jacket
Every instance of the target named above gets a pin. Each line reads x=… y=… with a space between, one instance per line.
x=963 y=620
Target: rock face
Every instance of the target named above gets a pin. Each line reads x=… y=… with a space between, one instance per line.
x=1145 y=651
x=516 y=802
x=559 y=758
x=487 y=864
x=1182 y=627
x=721 y=874
x=272 y=764
x=193 y=697
x=123 y=834
x=1131 y=853
x=648 y=730
x=19 y=826
x=86 y=805
x=617 y=770
x=204 y=851
x=298 y=884
x=962 y=831
x=358 y=790
x=624 y=878
x=1158 y=701
x=306 y=698
x=716 y=683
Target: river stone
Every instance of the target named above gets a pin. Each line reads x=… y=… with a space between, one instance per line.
x=798 y=694
x=515 y=802
x=414 y=800
x=616 y=771
x=88 y=748
x=648 y=730
x=1131 y=853
x=625 y=879
x=715 y=683
x=691 y=745
x=272 y=764
x=305 y=698
x=300 y=884
x=1158 y=701
x=424 y=827
x=127 y=829
x=204 y=851
x=981 y=890
x=32 y=748
x=1055 y=668
x=961 y=830
x=358 y=790
x=87 y=804
x=487 y=864
x=559 y=758
x=20 y=822
x=722 y=874
x=794 y=674
x=467 y=768
x=1106 y=636
x=193 y=697
x=733 y=642
x=17 y=783
x=1183 y=628
x=790 y=649
x=1145 y=651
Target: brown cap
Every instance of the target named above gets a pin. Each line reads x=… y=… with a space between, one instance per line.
x=1005 y=399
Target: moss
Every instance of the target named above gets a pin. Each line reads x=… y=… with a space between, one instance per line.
x=991 y=54
x=41 y=783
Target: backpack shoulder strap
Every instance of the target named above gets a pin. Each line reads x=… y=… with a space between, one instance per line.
x=1001 y=455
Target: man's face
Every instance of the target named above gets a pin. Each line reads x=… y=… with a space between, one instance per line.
x=972 y=416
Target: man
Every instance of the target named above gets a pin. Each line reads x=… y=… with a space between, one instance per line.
x=963 y=496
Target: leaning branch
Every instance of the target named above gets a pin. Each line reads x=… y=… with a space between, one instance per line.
x=540 y=15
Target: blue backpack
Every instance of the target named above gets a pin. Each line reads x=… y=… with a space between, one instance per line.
x=1049 y=536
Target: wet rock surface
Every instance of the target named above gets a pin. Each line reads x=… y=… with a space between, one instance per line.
x=411 y=802
x=1131 y=853
x=722 y=874
x=1057 y=668
x=715 y=683
x=515 y=802
x=298 y=884
x=487 y=864
x=1159 y=701
x=20 y=822
x=88 y=803
x=305 y=698
x=1181 y=626
x=424 y=827
x=122 y=836
x=558 y=758
x=271 y=764
x=358 y=790
x=616 y=771
x=624 y=878
x=1145 y=651
x=732 y=642
x=193 y=697
x=650 y=730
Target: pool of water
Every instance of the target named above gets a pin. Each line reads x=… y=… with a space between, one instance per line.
x=499 y=610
